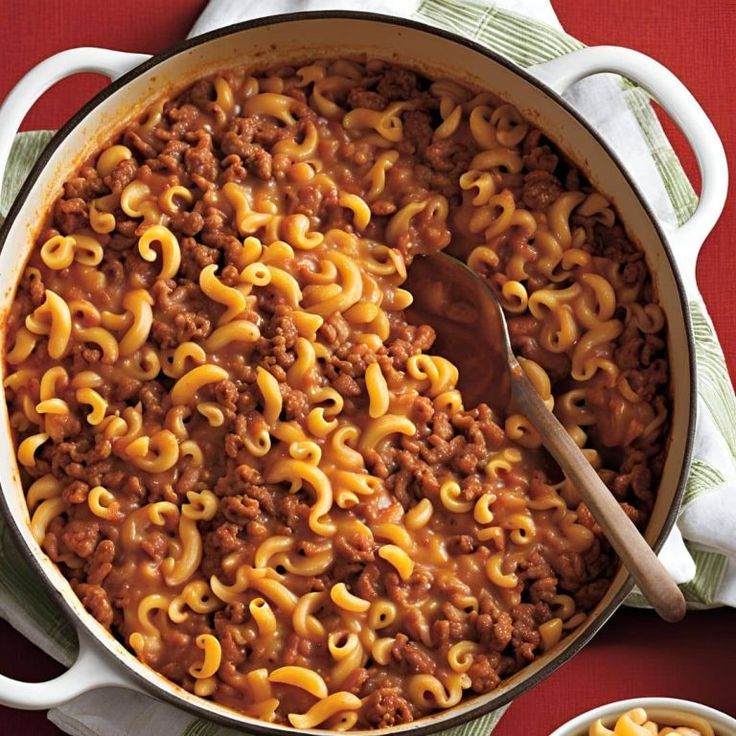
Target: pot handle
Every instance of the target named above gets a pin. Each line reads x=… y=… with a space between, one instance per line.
x=23 y=96
x=687 y=239
x=89 y=672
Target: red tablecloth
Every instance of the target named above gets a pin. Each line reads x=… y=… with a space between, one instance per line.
x=635 y=654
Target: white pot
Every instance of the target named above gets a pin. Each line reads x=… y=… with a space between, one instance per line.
x=139 y=80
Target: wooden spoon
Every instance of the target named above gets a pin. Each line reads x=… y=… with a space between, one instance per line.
x=472 y=331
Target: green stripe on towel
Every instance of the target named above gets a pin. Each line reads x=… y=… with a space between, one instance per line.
x=201 y=728
x=711 y=567
x=714 y=384
x=702 y=479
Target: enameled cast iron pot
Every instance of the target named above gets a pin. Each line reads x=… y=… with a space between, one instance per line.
x=138 y=80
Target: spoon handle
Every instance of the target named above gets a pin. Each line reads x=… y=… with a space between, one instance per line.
x=638 y=557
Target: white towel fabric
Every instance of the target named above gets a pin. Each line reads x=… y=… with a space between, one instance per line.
x=219 y=13
x=621 y=113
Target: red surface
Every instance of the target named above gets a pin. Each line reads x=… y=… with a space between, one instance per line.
x=635 y=654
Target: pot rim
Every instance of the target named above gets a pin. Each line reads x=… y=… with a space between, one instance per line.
x=161 y=687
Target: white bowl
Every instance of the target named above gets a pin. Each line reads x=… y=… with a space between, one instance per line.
x=723 y=725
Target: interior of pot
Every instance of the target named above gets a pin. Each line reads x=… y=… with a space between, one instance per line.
x=268 y=43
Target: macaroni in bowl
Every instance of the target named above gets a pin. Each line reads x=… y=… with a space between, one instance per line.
x=656 y=722
x=252 y=469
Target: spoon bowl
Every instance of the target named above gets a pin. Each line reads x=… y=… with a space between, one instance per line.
x=471 y=329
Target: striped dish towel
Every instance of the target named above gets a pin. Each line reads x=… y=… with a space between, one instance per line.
x=526 y=32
